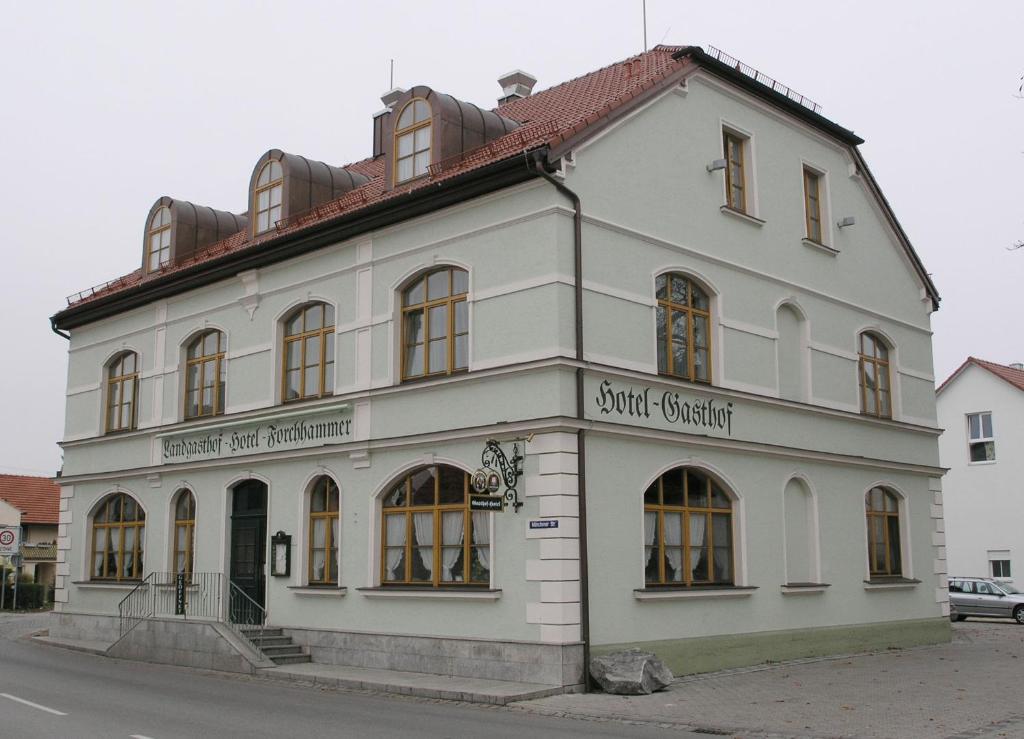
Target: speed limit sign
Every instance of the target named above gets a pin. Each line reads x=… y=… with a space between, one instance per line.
x=9 y=540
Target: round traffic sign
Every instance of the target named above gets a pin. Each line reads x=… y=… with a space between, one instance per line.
x=6 y=537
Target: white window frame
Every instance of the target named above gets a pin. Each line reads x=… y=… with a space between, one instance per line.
x=1000 y=555
x=981 y=439
x=824 y=204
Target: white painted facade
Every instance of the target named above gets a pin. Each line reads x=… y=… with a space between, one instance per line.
x=797 y=458
x=984 y=500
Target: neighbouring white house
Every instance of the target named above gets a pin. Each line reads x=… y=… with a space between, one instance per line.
x=674 y=287
x=981 y=408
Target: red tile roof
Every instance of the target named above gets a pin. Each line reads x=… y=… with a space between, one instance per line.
x=1012 y=375
x=38 y=498
x=548 y=118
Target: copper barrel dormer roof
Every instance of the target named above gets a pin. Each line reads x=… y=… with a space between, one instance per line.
x=191 y=227
x=306 y=183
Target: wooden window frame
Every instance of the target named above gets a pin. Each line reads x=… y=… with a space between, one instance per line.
x=691 y=312
x=437 y=509
x=188 y=524
x=268 y=187
x=451 y=335
x=163 y=251
x=410 y=130
x=890 y=547
x=739 y=163
x=685 y=511
x=98 y=528
x=115 y=389
x=327 y=516
x=879 y=359
x=812 y=205
x=981 y=439
x=219 y=381
x=323 y=332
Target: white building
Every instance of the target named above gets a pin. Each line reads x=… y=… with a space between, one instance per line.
x=677 y=288
x=981 y=408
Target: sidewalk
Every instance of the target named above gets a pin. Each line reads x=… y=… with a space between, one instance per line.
x=972 y=687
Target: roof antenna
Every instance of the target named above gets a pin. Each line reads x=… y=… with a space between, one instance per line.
x=391 y=85
x=645 y=24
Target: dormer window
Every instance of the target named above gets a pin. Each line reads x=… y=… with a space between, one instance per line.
x=412 y=141
x=269 y=187
x=160 y=239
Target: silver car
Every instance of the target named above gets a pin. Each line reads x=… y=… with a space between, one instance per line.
x=983 y=596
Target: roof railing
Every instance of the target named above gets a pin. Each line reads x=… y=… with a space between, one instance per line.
x=90 y=291
x=764 y=79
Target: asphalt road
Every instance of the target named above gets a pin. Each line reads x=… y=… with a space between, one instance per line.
x=49 y=692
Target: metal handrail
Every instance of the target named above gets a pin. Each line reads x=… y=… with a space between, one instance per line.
x=245 y=617
x=137 y=606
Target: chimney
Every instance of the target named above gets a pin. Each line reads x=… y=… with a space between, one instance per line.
x=515 y=85
x=1017 y=366
x=389 y=97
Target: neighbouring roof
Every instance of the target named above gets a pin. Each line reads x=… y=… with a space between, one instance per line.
x=1011 y=375
x=549 y=120
x=38 y=498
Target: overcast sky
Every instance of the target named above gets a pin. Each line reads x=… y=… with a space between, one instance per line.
x=107 y=106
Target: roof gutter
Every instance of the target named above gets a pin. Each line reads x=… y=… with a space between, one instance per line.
x=541 y=166
x=53 y=327
x=489 y=178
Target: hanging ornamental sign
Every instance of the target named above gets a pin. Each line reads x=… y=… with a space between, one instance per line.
x=497 y=469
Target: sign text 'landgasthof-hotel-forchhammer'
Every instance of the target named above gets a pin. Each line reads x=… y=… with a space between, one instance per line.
x=667 y=406
x=267 y=435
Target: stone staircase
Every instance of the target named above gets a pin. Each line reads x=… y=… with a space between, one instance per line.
x=276 y=646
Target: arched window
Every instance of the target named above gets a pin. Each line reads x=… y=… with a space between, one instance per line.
x=122 y=392
x=884 y=552
x=267 y=198
x=308 y=352
x=184 y=533
x=324 y=504
x=204 y=375
x=687 y=530
x=683 y=321
x=435 y=324
x=428 y=534
x=875 y=395
x=412 y=141
x=118 y=539
x=159 y=238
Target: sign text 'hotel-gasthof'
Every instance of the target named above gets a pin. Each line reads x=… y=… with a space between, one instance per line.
x=640 y=404
x=266 y=435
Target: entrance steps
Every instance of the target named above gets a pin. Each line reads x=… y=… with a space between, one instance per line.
x=276 y=646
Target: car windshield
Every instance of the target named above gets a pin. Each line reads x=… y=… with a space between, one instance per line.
x=1008 y=589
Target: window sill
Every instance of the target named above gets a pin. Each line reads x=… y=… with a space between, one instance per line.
x=804 y=588
x=895 y=583
x=981 y=463
x=811 y=243
x=105 y=585
x=321 y=590
x=435 y=593
x=728 y=591
x=752 y=220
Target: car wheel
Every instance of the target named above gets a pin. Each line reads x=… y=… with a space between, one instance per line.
x=961 y=618
x=1018 y=614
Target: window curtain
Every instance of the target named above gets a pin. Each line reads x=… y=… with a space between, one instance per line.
x=482 y=539
x=423 y=525
x=673 y=543
x=452 y=525
x=698 y=528
x=650 y=531
x=396 y=538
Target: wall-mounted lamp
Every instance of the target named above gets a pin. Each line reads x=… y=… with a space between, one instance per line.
x=280 y=554
x=716 y=165
x=844 y=222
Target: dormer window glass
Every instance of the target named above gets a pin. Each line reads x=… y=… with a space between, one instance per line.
x=412 y=141
x=160 y=239
x=269 y=187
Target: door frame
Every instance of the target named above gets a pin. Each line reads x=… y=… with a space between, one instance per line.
x=225 y=553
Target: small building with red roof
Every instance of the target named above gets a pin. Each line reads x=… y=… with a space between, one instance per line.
x=981 y=409
x=33 y=503
x=639 y=359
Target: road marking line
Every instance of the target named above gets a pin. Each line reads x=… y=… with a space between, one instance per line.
x=34 y=705
x=139 y=736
